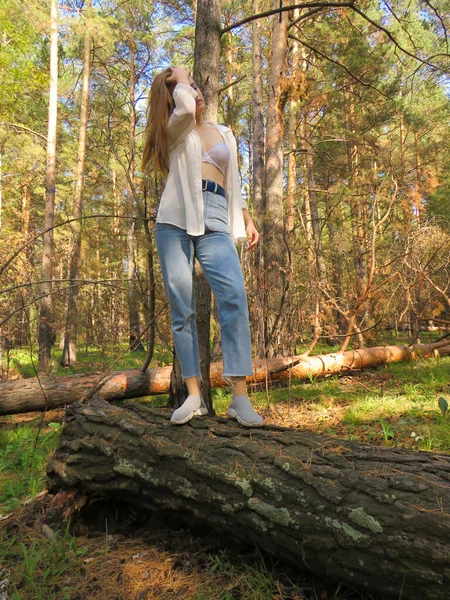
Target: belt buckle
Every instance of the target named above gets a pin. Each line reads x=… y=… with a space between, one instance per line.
x=215 y=187
x=204 y=185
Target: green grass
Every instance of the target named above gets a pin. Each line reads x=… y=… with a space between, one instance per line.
x=432 y=375
x=402 y=400
x=24 y=361
x=392 y=406
x=42 y=569
x=248 y=581
x=22 y=464
x=383 y=338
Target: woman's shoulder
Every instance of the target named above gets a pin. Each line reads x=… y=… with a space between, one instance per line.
x=222 y=128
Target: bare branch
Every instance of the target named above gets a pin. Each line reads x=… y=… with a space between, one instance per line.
x=396 y=43
x=38 y=235
x=57 y=291
x=225 y=87
x=80 y=281
x=438 y=16
x=26 y=129
x=305 y=16
x=276 y=11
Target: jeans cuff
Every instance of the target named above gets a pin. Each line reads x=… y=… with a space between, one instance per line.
x=189 y=376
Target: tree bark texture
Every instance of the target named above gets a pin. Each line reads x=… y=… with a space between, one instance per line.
x=292 y=137
x=46 y=328
x=207 y=54
x=69 y=356
x=26 y=395
x=258 y=171
x=275 y=287
x=150 y=300
x=374 y=518
x=206 y=74
x=133 y=293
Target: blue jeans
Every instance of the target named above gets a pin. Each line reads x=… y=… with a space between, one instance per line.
x=216 y=252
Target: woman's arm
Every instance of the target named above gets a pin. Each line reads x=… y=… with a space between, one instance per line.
x=252 y=232
x=182 y=120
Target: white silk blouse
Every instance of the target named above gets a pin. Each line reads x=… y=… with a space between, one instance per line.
x=182 y=200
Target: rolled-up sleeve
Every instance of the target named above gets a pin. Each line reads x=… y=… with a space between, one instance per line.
x=235 y=175
x=182 y=120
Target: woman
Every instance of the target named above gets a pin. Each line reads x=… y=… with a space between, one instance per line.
x=200 y=212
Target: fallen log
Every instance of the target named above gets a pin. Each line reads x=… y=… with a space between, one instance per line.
x=375 y=518
x=45 y=393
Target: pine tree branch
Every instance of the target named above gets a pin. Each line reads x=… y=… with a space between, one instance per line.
x=337 y=63
x=276 y=11
x=397 y=44
x=234 y=82
x=438 y=16
x=22 y=127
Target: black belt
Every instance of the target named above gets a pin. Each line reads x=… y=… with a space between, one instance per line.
x=212 y=186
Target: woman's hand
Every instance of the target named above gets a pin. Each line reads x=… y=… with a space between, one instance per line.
x=179 y=75
x=252 y=232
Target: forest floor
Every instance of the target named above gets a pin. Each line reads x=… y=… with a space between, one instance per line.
x=397 y=405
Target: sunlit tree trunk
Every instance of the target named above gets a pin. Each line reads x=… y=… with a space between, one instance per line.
x=46 y=328
x=313 y=203
x=355 y=202
x=69 y=356
x=227 y=44
x=151 y=283
x=117 y=204
x=291 y=192
x=418 y=184
x=258 y=166
x=335 y=227
x=357 y=206
x=133 y=296
x=273 y=230
x=206 y=75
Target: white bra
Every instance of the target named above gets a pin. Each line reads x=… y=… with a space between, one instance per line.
x=218 y=156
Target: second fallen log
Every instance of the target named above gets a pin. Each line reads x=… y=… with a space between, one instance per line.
x=26 y=395
x=375 y=518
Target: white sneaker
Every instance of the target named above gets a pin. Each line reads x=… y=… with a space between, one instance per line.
x=193 y=406
x=244 y=413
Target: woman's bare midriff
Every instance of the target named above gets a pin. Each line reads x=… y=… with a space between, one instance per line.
x=211 y=172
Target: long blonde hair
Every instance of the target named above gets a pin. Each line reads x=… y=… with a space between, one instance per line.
x=160 y=107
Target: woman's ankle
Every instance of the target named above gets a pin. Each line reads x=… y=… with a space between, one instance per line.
x=193 y=386
x=238 y=385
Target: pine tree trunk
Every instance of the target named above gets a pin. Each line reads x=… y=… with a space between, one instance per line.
x=292 y=188
x=374 y=518
x=46 y=326
x=151 y=283
x=274 y=250
x=258 y=170
x=133 y=295
x=206 y=75
x=355 y=202
x=69 y=356
x=312 y=201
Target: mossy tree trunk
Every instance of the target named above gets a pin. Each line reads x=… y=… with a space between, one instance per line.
x=375 y=518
